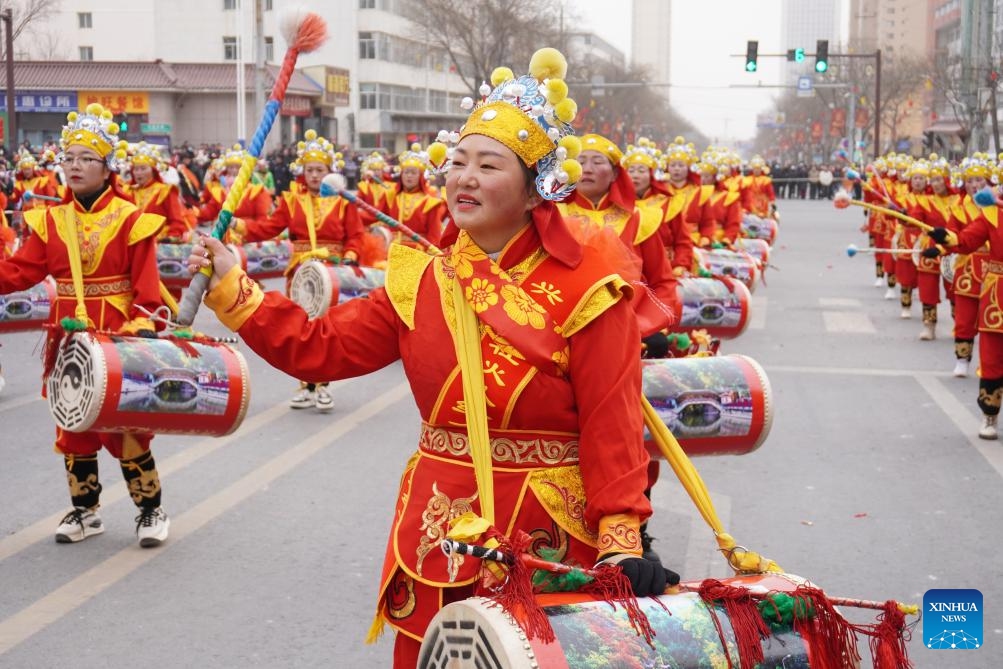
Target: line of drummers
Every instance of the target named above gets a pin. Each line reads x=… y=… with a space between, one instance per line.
x=932 y=224
x=701 y=228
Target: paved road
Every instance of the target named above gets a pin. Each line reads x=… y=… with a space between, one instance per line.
x=871 y=483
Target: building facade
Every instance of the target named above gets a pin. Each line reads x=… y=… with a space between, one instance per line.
x=379 y=82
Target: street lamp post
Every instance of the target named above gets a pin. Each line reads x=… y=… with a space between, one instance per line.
x=11 y=131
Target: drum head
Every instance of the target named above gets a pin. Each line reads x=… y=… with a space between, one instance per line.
x=477 y=633
x=78 y=383
x=312 y=288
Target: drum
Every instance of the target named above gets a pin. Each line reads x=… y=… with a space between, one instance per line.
x=947 y=267
x=264 y=260
x=479 y=633
x=715 y=405
x=757 y=248
x=718 y=305
x=756 y=227
x=27 y=309
x=318 y=286
x=106 y=383
x=734 y=264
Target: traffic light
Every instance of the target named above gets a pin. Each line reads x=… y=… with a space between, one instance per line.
x=799 y=55
x=822 y=55
x=751 y=54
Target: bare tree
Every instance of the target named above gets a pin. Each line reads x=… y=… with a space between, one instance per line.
x=479 y=36
x=27 y=12
x=48 y=46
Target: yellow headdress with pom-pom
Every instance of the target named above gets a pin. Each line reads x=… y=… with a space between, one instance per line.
x=413 y=157
x=681 y=151
x=939 y=167
x=234 y=155
x=530 y=115
x=919 y=168
x=643 y=153
x=146 y=154
x=94 y=129
x=26 y=161
x=594 y=142
x=315 y=149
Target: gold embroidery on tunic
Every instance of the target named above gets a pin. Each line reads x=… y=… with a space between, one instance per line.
x=400 y=597
x=405 y=268
x=561 y=491
x=435 y=519
x=533 y=451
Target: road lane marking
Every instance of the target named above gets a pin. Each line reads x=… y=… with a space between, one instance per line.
x=964 y=420
x=111 y=493
x=847 y=322
x=757 y=318
x=839 y=303
x=18 y=403
x=50 y=608
x=854 y=371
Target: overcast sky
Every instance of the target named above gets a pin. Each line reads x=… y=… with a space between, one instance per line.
x=704 y=37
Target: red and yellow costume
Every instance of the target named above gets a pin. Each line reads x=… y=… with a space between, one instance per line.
x=937 y=211
x=255 y=203
x=38 y=182
x=157 y=197
x=375 y=187
x=110 y=244
x=757 y=190
x=880 y=226
x=681 y=210
x=637 y=226
x=564 y=428
x=418 y=208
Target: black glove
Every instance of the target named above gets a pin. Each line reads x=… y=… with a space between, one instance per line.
x=938 y=235
x=932 y=252
x=349 y=261
x=647 y=577
x=655 y=346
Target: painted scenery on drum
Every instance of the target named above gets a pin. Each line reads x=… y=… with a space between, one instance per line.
x=594 y=636
x=267 y=259
x=705 y=397
x=160 y=377
x=709 y=303
x=25 y=306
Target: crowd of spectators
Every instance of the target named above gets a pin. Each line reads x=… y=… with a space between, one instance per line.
x=801 y=181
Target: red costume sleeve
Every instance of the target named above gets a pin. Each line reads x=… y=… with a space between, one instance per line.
x=606 y=377
x=144 y=276
x=25 y=268
x=259 y=230
x=174 y=212
x=354 y=229
x=657 y=274
x=682 y=244
x=973 y=236
x=351 y=339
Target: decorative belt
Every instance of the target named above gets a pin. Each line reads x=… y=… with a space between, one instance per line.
x=515 y=448
x=994 y=267
x=96 y=288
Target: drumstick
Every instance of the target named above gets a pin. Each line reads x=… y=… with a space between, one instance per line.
x=304 y=32
x=843 y=200
x=853 y=250
x=29 y=196
x=333 y=184
x=755 y=593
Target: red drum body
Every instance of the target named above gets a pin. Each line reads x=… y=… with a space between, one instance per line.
x=757 y=248
x=715 y=405
x=479 y=633
x=27 y=309
x=719 y=306
x=318 y=286
x=264 y=260
x=755 y=227
x=733 y=264
x=105 y=383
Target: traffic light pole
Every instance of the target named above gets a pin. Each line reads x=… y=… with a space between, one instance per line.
x=10 y=131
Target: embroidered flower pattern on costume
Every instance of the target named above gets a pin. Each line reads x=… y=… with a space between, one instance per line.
x=521 y=308
x=481 y=295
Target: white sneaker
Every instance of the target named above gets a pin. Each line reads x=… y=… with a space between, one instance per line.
x=324 y=401
x=988 y=429
x=891 y=293
x=961 y=367
x=906 y=313
x=929 y=332
x=152 y=526
x=302 y=400
x=878 y=282
x=79 y=524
